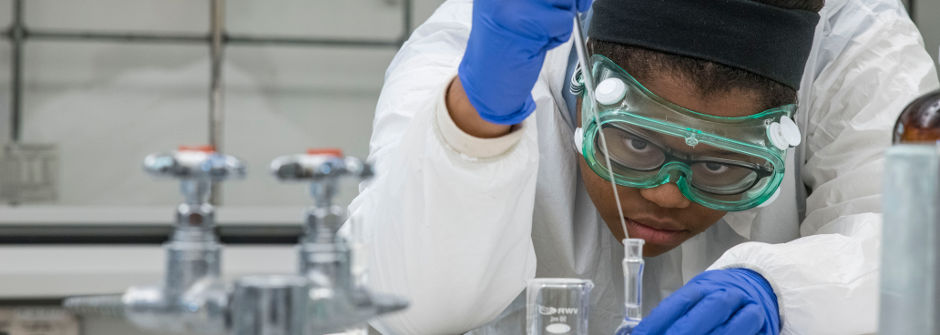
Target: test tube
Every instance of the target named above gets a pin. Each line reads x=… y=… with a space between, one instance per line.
x=632 y=285
x=558 y=306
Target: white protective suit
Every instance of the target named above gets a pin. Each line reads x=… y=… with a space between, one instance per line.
x=459 y=224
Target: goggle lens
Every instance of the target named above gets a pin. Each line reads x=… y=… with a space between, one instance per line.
x=639 y=156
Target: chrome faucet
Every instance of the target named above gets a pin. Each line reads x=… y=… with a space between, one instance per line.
x=337 y=300
x=192 y=299
x=323 y=297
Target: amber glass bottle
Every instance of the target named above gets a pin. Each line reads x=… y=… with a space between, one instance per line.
x=920 y=120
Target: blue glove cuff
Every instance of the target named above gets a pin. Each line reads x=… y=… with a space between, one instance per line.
x=510 y=119
x=766 y=294
x=491 y=114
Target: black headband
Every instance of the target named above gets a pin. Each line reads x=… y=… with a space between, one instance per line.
x=769 y=41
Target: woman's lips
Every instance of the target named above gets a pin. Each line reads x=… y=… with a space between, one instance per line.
x=654 y=235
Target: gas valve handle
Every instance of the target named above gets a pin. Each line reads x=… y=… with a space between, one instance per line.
x=200 y=163
x=319 y=164
x=322 y=168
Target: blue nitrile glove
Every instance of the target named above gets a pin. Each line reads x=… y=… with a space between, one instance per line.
x=731 y=301
x=507 y=45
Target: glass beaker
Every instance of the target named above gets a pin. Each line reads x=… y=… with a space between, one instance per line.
x=558 y=306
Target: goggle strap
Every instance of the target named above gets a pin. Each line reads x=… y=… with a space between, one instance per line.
x=576 y=86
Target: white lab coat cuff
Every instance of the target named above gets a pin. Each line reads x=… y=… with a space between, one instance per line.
x=833 y=273
x=748 y=256
x=475 y=147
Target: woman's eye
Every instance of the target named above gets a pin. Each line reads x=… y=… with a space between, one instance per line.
x=637 y=144
x=716 y=168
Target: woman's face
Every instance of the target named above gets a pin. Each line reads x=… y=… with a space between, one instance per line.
x=662 y=215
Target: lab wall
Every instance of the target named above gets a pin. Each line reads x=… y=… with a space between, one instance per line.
x=106 y=104
x=926 y=14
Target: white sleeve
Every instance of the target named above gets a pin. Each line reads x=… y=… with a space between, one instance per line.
x=447 y=220
x=827 y=281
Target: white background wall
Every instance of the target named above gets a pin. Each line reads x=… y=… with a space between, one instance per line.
x=927 y=16
x=107 y=105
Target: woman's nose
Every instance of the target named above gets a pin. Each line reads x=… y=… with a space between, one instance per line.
x=666 y=195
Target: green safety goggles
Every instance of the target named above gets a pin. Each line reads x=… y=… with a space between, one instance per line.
x=724 y=163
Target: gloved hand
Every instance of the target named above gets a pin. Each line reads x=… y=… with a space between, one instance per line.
x=507 y=45
x=731 y=301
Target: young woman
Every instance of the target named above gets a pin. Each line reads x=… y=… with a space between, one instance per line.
x=745 y=136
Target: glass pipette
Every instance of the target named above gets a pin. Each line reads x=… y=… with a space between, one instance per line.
x=633 y=247
x=588 y=77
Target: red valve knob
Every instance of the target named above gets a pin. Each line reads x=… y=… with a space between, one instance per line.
x=201 y=148
x=326 y=151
